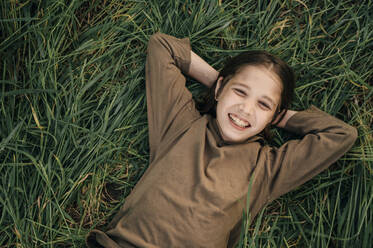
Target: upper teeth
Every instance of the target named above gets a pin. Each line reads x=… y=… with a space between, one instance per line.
x=238 y=121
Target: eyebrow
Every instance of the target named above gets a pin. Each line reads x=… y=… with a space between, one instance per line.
x=248 y=87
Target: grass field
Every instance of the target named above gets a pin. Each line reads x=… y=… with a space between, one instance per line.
x=73 y=126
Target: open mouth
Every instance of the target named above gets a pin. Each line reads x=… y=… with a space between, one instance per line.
x=242 y=124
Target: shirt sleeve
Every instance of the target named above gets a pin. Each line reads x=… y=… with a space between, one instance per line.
x=325 y=139
x=169 y=102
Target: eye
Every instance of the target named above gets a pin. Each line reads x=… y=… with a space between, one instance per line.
x=239 y=92
x=265 y=105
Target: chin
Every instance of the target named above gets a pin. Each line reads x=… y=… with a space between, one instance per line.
x=235 y=138
x=233 y=134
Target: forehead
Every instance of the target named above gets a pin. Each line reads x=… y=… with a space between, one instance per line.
x=260 y=79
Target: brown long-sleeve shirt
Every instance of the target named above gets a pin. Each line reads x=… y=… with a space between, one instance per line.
x=195 y=190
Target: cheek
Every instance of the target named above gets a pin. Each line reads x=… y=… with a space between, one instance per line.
x=219 y=109
x=229 y=99
x=224 y=102
x=266 y=118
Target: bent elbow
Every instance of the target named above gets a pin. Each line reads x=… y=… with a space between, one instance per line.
x=353 y=134
x=155 y=37
x=155 y=40
x=349 y=137
x=345 y=137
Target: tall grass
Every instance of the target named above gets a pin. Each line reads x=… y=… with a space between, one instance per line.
x=73 y=124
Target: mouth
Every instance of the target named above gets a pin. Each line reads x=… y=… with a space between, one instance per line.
x=238 y=122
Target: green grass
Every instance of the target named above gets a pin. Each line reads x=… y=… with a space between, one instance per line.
x=73 y=125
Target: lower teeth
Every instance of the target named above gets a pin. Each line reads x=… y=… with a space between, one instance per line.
x=237 y=123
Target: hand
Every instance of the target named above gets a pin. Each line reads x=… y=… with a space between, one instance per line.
x=286 y=116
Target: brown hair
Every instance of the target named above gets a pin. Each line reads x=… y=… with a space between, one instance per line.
x=207 y=105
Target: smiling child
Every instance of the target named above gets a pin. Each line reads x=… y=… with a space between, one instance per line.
x=248 y=103
x=201 y=160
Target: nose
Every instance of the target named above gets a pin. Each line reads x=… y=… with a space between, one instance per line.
x=247 y=107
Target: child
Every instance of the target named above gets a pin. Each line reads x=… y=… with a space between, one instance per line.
x=194 y=192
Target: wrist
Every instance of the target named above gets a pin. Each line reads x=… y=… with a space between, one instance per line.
x=287 y=116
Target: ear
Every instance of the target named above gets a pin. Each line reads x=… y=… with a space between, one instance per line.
x=218 y=84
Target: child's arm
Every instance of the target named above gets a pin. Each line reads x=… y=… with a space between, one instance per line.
x=324 y=139
x=202 y=71
x=282 y=123
x=170 y=105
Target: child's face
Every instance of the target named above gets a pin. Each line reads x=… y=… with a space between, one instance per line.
x=247 y=103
